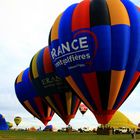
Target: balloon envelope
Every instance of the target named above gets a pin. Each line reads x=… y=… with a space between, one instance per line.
x=97 y=50
x=10 y=125
x=17 y=120
x=3 y=124
x=52 y=88
x=83 y=108
x=29 y=98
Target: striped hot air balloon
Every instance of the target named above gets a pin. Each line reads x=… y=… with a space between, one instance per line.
x=53 y=89
x=28 y=97
x=95 y=46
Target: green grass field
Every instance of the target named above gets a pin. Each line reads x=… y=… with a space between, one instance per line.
x=23 y=135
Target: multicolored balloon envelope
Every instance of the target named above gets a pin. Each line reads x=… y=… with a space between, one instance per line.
x=52 y=88
x=95 y=45
x=29 y=98
x=17 y=120
x=83 y=109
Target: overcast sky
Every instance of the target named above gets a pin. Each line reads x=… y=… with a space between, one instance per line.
x=24 y=29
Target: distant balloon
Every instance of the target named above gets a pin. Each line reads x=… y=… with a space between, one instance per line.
x=28 y=97
x=52 y=88
x=83 y=109
x=3 y=124
x=17 y=120
x=97 y=50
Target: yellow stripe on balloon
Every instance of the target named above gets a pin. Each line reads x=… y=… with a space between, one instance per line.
x=54 y=32
x=52 y=105
x=34 y=65
x=31 y=109
x=116 y=82
x=69 y=101
x=118 y=12
x=19 y=78
x=78 y=91
x=49 y=111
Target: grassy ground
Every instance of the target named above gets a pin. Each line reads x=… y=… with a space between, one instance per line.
x=23 y=135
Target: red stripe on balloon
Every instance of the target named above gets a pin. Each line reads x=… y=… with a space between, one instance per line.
x=92 y=85
x=81 y=16
x=59 y=105
x=48 y=66
x=138 y=8
x=77 y=103
x=38 y=102
x=105 y=116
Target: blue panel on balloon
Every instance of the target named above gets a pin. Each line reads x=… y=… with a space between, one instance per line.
x=65 y=33
x=134 y=50
x=120 y=40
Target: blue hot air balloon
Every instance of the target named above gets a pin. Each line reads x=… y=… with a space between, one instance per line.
x=95 y=46
x=3 y=123
x=28 y=97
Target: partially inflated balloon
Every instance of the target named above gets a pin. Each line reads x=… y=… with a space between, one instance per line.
x=83 y=109
x=17 y=120
x=55 y=90
x=95 y=45
x=29 y=98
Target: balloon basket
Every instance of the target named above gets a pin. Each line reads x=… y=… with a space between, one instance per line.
x=104 y=131
x=68 y=130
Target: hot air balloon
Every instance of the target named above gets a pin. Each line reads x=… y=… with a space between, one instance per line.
x=97 y=50
x=29 y=98
x=83 y=109
x=3 y=124
x=53 y=89
x=17 y=120
x=10 y=125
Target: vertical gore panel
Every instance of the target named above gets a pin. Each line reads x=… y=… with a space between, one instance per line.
x=19 y=78
x=34 y=66
x=80 y=18
x=54 y=32
x=92 y=85
x=134 y=48
x=99 y=14
x=130 y=88
x=78 y=91
x=116 y=81
x=77 y=103
x=65 y=25
x=68 y=102
x=103 y=79
x=49 y=112
x=40 y=65
x=57 y=100
x=118 y=13
x=27 y=104
x=39 y=105
x=48 y=67
x=52 y=105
